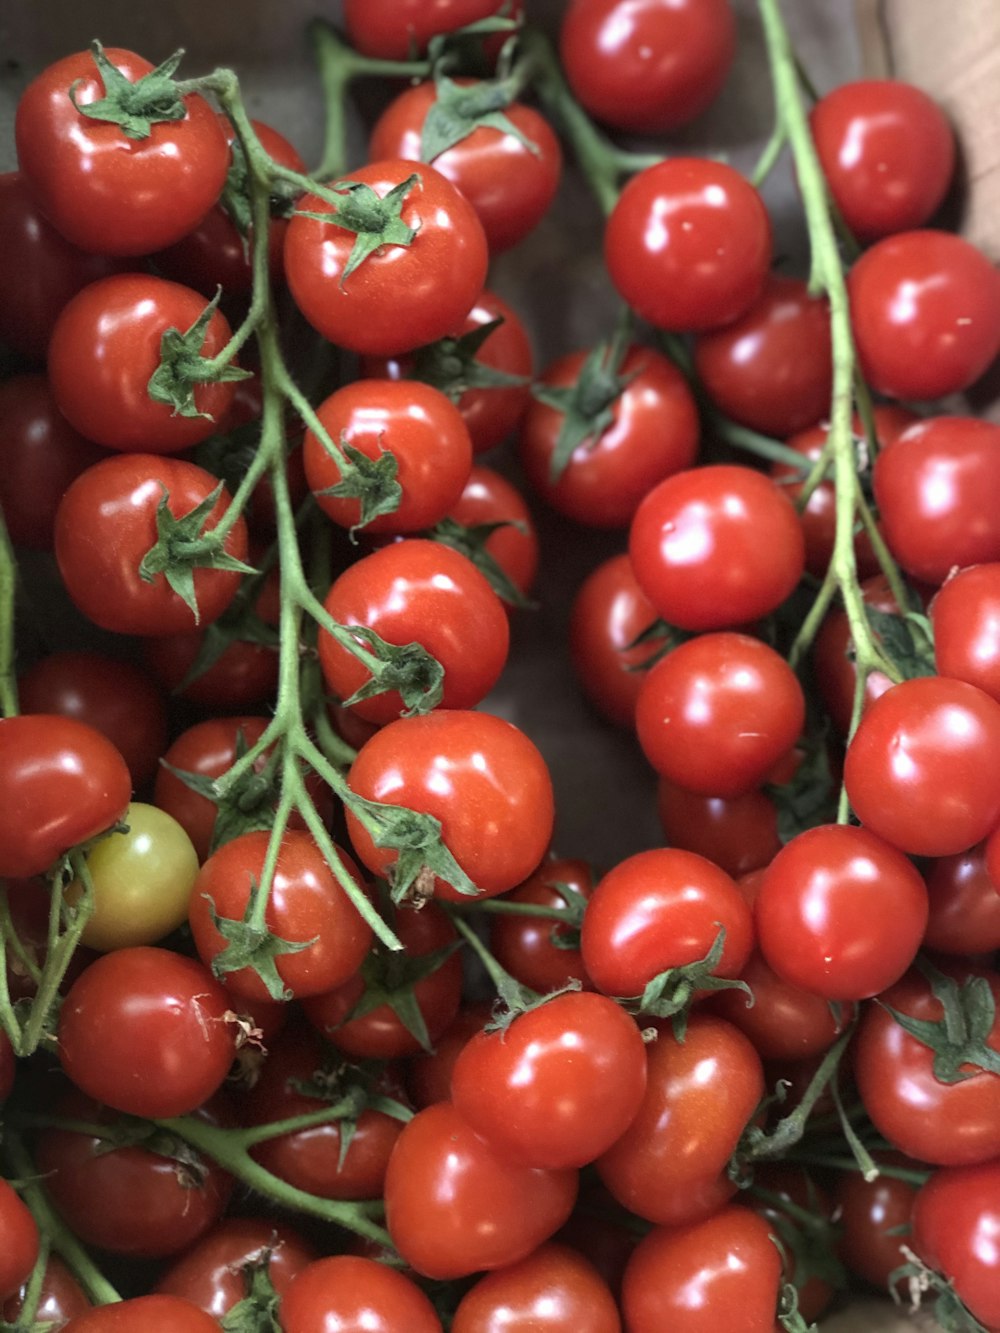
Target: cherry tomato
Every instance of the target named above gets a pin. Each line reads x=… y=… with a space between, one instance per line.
x=887 y=152
x=609 y=613
x=923 y=768
x=103 y=191
x=688 y=244
x=350 y=1292
x=454 y=1207
x=401 y=296
x=106 y=524
x=509 y=179
x=214 y=1274
x=145 y=1031
x=653 y=434
x=553 y=1290
x=872 y=1215
x=537 y=952
x=840 y=912
x=966 y=619
x=153 y=1314
x=956 y=1218
x=400 y=29
x=479 y=775
x=794 y=1189
x=697 y=553
x=428 y=1075
x=833 y=662
x=645 y=66
x=20 y=1236
x=490 y=498
x=737 y=833
x=63 y=783
x=784 y=1022
x=61 y=1297
x=964 y=904
x=925 y=306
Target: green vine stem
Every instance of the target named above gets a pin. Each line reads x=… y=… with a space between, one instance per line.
x=8 y=585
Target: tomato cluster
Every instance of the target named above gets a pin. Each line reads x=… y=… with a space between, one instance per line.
x=305 y=1024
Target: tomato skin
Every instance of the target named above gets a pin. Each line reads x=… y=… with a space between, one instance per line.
x=609 y=613
x=306 y=903
x=479 y=775
x=738 y=833
x=869 y=1212
x=833 y=664
x=153 y=1314
x=669 y=1166
x=63 y=783
x=925 y=308
x=533 y=950
x=61 y=1299
x=396 y=29
x=946 y=1124
x=955 y=1222
x=454 y=1207
x=965 y=614
x=936 y=487
x=489 y=497
x=105 y=192
x=559 y=1086
x=349 y=1292
x=718 y=712
x=107 y=522
x=403 y=296
x=923 y=768
x=210 y=1273
x=841 y=913
x=418 y=425
x=647 y=67
x=785 y=1022
x=771 y=369
x=887 y=152
x=428 y=1075
x=144 y=1031
x=20 y=1235
x=696 y=551
x=551 y=1291
x=508 y=184
x=964 y=904
x=657 y=910
x=654 y=434
x=688 y=244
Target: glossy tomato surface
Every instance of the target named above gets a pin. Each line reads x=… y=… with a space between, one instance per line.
x=956 y=1218
x=554 y=1290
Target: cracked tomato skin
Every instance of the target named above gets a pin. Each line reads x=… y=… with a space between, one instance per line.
x=107 y=522
x=401 y=296
x=956 y=1219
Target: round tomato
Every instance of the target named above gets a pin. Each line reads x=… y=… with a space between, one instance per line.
x=784 y=1022
x=966 y=619
x=737 y=833
x=964 y=904
x=554 y=1290
x=536 y=951
x=61 y=1297
x=350 y=1292
x=833 y=661
x=400 y=29
x=214 y=1274
x=153 y=1314
x=874 y=1219
x=428 y=1075
x=20 y=1236
x=400 y=296
x=956 y=1218
x=489 y=498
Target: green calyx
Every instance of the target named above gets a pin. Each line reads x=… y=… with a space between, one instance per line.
x=134 y=107
x=960 y=1039
x=470 y=540
x=249 y=945
x=661 y=638
x=907 y=640
x=182 y=367
x=587 y=407
x=390 y=978
x=810 y=798
x=406 y=668
x=370 y=481
x=460 y=109
x=376 y=221
x=421 y=853
x=669 y=994
x=248 y=804
x=257 y=1311
x=452 y=364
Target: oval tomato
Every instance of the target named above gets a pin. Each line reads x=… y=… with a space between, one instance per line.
x=350 y=1292
x=553 y=1290
x=20 y=1234
x=610 y=611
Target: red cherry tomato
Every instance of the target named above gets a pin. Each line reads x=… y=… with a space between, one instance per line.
x=784 y=1022
x=60 y=1300
x=965 y=614
x=609 y=613
x=428 y=1075
x=490 y=498
x=537 y=952
x=214 y=1272
x=874 y=1219
x=956 y=1218
x=350 y=1292
x=964 y=904
x=400 y=29
x=20 y=1248
x=737 y=833
x=833 y=663
x=552 y=1290
x=153 y=1314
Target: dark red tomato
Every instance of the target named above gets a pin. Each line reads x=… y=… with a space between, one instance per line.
x=103 y=191
x=39 y=270
x=401 y=296
x=106 y=524
x=213 y=1274
x=937 y=487
x=491 y=412
x=554 y=1290
x=670 y=1164
x=509 y=179
x=43 y=454
x=724 y=1272
x=658 y=910
x=718 y=712
x=737 y=833
x=925 y=307
x=146 y=1031
x=112 y=696
x=966 y=619
x=307 y=904
x=772 y=369
x=697 y=553
x=428 y=1075
x=948 y=1124
x=299 y=1077
x=424 y=592
x=840 y=912
x=797 y=1190
x=20 y=1236
x=819 y=517
x=455 y=1207
x=61 y=1297
x=871 y=1215
x=417 y=424
x=887 y=152
x=956 y=1218
x=216 y=253
x=63 y=783
x=923 y=768
x=653 y=434
x=151 y=1204
x=688 y=244
x=833 y=665
x=401 y=29
x=480 y=776
x=104 y=350
x=965 y=905
x=784 y=1022
x=609 y=613
x=536 y=951
x=153 y=1314
x=380 y=1033
x=243 y=676
x=350 y=1292
x=557 y=1087
x=490 y=498
x=8 y=1066
x=644 y=66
